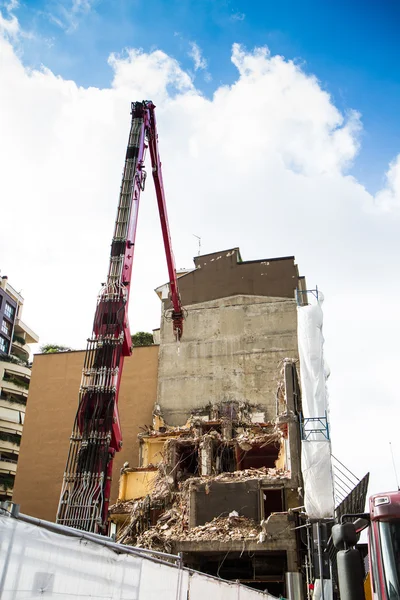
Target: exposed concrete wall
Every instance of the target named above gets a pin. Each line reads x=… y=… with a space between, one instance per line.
x=215 y=498
x=50 y=413
x=230 y=351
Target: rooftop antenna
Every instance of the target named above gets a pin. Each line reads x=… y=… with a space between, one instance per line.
x=394 y=467
x=199 y=238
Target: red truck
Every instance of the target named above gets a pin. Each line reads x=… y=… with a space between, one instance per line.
x=383 y=523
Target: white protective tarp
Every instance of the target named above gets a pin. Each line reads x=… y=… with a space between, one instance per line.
x=327 y=584
x=317 y=477
x=37 y=563
x=316 y=450
x=316 y=464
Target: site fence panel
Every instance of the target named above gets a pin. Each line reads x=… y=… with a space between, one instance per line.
x=36 y=562
x=201 y=588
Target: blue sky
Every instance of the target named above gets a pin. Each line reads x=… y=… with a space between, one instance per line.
x=267 y=158
x=353 y=48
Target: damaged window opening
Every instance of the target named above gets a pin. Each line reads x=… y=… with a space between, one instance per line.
x=273 y=501
x=258 y=456
x=187 y=461
x=155 y=514
x=224 y=459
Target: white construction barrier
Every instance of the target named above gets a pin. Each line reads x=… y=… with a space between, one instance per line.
x=38 y=563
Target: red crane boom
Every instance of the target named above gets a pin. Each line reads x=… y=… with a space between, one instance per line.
x=96 y=435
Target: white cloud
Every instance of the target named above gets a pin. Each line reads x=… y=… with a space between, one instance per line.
x=67 y=16
x=81 y=6
x=238 y=16
x=149 y=74
x=9 y=27
x=12 y=5
x=389 y=198
x=195 y=53
x=263 y=165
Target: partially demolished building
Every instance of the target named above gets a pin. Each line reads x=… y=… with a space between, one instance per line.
x=219 y=476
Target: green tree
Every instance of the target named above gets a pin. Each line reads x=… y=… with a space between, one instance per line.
x=142 y=338
x=53 y=348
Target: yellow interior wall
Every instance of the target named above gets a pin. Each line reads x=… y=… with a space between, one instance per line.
x=136 y=484
x=152 y=451
x=280 y=461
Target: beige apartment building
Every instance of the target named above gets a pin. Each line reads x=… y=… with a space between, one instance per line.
x=15 y=375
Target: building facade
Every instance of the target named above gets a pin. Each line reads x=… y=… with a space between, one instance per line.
x=50 y=414
x=219 y=474
x=15 y=374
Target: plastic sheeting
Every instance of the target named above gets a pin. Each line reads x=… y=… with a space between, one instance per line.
x=327 y=584
x=35 y=562
x=316 y=462
x=312 y=367
x=317 y=477
x=316 y=451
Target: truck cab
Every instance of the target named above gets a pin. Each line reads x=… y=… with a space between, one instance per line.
x=384 y=545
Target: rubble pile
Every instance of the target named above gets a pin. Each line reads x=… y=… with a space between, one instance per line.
x=121 y=508
x=173 y=522
x=170 y=528
x=252 y=473
x=232 y=527
x=206 y=449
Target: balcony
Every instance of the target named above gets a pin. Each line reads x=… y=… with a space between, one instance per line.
x=20 y=350
x=21 y=329
x=8 y=445
x=10 y=432
x=14 y=379
x=10 y=427
x=12 y=388
x=5 y=490
x=14 y=369
x=12 y=400
x=8 y=466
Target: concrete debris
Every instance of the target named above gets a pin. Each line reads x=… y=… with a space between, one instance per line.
x=173 y=509
x=218 y=444
x=171 y=528
x=252 y=473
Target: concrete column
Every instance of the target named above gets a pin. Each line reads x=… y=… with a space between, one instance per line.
x=291 y=557
x=226 y=426
x=292 y=391
x=206 y=448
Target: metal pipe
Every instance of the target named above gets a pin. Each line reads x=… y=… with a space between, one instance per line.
x=320 y=562
x=366 y=516
x=309 y=560
x=294 y=586
x=355 y=476
x=95 y=538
